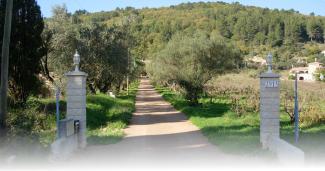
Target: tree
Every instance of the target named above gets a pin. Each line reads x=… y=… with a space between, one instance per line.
x=103 y=50
x=323 y=26
x=191 y=61
x=47 y=49
x=276 y=31
x=315 y=29
x=105 y=56
x=294 y=30
x=62 y=41
x=81 y=12
x=25 y=47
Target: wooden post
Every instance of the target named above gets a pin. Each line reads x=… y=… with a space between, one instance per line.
x=5 y=63
x=296 y=111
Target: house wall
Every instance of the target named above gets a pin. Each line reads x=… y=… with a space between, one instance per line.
x=307 y=77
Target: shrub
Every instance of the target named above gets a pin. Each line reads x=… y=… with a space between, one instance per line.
x=243 y=93
x=191 y=61
x=291 y=77
x=241 y=89
x=28 y=122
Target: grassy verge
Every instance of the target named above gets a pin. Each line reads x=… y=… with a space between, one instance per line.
x=33 y=128
x=240 y=134
x=107 y=117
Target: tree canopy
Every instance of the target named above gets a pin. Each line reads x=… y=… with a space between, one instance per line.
x=191 y=61
x=105 y=50
x=253 y=30
x=25 y=48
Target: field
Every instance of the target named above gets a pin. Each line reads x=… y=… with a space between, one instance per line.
x=229 y=115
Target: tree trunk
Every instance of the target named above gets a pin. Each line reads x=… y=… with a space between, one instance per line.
x=45 y=69
x=92 y=89
x=104 y=89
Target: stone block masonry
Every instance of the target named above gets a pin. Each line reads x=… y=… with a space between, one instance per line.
x=270 y=107
x=76 y=103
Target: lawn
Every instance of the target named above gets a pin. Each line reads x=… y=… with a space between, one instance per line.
x=240 y=134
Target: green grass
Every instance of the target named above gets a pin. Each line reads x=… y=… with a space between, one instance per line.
x=107 y=117
x=240 y=135
x=33 y=128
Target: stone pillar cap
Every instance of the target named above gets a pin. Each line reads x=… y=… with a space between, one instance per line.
x=76 y=73
x=269 y=75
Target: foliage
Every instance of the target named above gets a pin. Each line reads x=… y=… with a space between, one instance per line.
x=315 y=29
x=249 y=28
x=27 y=121
x=25 y=48
x=192 y=61
x=243 y=93
x=116 y=42
x=32 y=130
x=104 y=50
x=106 y=118
x=240 y=134
x=242 y=90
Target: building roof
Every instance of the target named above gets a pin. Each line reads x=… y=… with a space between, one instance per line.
x=318 y=64
x=299 y=69
x=257 y=59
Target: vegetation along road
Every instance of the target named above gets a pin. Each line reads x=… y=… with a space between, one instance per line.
x=158 y=135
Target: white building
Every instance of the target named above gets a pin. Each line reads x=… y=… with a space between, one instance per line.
x=307 y=73
x=323 y=52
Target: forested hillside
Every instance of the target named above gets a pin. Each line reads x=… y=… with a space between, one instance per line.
x=255 y=31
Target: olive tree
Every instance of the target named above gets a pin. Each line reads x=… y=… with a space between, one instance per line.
x=191 y=61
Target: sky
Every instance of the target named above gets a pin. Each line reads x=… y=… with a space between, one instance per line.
x=303 y=6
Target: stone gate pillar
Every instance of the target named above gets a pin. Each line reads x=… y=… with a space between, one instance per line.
x=269 y=105
x=76 y=101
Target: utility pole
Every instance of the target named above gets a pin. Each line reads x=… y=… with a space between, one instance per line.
x=127 y=75
x=296 y=110
x=57 y=95
x=5 y=63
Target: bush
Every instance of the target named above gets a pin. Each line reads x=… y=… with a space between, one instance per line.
x=191 y=61
x=292 y=77
x=243 y=93
x=311 y=97
x=33 y=121
x=241 y=89
x=28 y=122
x=46 y=106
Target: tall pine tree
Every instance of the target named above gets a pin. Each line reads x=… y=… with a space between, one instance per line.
x=25 y=47
x=315 y=29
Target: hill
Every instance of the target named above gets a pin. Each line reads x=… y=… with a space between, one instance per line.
x=255 y=31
